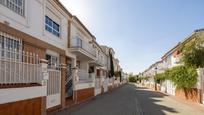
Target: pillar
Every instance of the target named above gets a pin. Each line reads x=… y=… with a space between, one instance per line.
x=200 y=72
x=63 y=76
x=43 y=64
x=74 y=79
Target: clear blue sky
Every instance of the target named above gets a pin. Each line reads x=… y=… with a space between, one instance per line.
x=140 y=31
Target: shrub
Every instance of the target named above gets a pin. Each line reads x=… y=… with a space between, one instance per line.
x=183 y=76
x=159 y=77
x=132 y=79
x=143 y=78
x=117 y=73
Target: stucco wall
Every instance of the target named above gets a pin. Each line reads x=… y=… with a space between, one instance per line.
x=33 y=23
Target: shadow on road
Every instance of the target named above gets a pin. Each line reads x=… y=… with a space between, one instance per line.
x=150 y=102
x=126 y=100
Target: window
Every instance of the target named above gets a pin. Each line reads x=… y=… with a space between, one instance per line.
x=53 y=61
x=8 y=45
x=52 y=26
x=17 y=6
x=78 y=41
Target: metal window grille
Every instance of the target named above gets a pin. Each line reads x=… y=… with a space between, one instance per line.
x=17 y=6
x=17 y=66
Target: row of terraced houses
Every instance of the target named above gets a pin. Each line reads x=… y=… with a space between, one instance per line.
x=49 y=60
x=169 y=60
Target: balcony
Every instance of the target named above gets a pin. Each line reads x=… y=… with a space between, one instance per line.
x=100 y=61
x=82 y=49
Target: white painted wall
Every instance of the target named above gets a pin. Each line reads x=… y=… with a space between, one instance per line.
x=170 y=87
x=53 y=100
x=97 y=92
x=77 y=30
x=83 y=86
x=17 y=94
x=200 y=82
x=84 y=65
x=105 y=85
x=173 y=61
x=34 y=21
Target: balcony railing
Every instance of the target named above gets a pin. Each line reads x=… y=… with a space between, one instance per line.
x=84 y=76
x=76 y=42
x=100 y=60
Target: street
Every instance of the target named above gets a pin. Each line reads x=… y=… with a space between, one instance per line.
x=134 y=100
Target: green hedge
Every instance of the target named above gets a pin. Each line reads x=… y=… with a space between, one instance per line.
x=182 y=76
x=143 y=78
x=135 y=79
x=159 y=77
x=132 y=79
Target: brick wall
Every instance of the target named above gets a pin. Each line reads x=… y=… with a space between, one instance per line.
x=189 y=94
x=33 y=49
x=83 y=94
x=33 y=106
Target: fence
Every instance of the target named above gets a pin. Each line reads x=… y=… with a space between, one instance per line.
x=17 y=66
x=105 y=84
x=68 y=81
x=110 y=81
x=97 y=83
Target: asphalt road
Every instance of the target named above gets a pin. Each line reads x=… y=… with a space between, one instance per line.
x=133 y=100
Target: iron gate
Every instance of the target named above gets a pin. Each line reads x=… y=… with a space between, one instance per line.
x=53 y=88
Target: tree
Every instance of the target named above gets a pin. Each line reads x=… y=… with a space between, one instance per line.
x=159 y=77
x=132 y=79
x=111 y=73
x=193 y=53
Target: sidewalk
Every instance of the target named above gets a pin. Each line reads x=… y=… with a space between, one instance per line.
x=188 y=103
